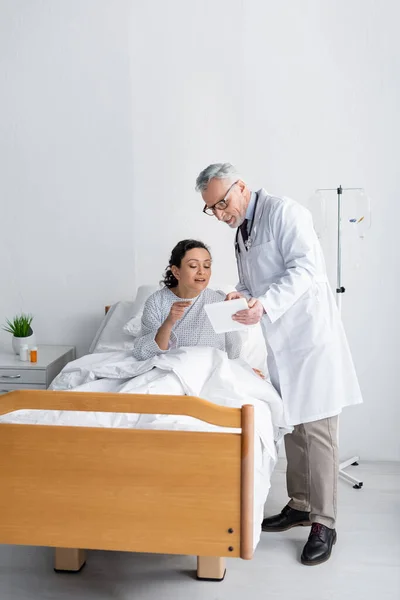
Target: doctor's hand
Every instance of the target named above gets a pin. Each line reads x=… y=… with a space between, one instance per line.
x=234 y=295
x=177 y=311
x=252 y=315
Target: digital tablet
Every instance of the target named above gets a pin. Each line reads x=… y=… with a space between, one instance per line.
x=220 y=315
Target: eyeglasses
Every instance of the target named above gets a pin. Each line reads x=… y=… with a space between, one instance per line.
x=220 y=205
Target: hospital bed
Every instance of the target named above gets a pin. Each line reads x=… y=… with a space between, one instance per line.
x=87 y=488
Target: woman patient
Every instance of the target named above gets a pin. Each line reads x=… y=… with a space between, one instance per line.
x=174 y=316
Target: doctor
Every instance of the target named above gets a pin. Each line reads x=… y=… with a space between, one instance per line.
x=282 y=274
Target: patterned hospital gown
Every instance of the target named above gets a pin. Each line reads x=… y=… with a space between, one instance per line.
x=194 y=329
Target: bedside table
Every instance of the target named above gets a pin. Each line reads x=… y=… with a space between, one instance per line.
x=16 y=374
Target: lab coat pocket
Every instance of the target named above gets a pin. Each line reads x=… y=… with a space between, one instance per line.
x=306 y=323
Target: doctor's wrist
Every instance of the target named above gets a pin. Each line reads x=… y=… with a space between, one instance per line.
x=264 y=310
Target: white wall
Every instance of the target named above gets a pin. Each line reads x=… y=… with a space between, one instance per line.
x=187 y=111
x=124 y=102
x=299 y=95
x=66 y=236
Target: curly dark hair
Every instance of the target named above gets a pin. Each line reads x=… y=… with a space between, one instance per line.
x=170 y=281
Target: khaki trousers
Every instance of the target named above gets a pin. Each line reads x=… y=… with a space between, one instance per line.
x=312 y=470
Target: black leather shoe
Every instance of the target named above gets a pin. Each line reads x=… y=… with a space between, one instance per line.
x=319 y=545
x=288 y=518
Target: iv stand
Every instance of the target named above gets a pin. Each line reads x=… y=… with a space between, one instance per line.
x=357 y=484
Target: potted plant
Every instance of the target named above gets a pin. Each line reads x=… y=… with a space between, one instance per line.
x=21 y=330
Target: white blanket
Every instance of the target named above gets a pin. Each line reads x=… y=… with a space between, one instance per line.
x=203 y=372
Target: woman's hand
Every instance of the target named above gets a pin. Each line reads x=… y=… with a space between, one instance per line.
x=177 y=311
x=164 y=333
x=259 y=373
x=234 y=295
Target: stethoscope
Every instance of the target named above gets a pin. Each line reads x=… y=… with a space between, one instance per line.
x=248 y=242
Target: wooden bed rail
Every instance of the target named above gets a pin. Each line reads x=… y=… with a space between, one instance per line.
x=122 y=403
x=161 y=491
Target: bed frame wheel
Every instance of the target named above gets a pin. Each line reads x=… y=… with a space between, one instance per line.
x=69 y=560
x=210 y=568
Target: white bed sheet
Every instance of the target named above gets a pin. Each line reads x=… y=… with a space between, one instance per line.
x=203 y=372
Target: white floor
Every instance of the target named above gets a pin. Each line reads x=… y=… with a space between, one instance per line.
x=365 y=563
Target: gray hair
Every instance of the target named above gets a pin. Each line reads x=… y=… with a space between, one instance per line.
x=216 y=171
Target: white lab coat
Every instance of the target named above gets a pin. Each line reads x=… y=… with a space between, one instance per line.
x=309 y=360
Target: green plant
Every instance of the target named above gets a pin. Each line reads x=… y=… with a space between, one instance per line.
x=20 y=326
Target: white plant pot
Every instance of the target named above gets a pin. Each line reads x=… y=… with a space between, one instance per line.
x=17 y=342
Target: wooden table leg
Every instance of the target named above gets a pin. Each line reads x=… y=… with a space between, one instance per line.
x=69 y=560
x=211 y=568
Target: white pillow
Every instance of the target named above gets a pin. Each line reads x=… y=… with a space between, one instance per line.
x=254 y=350
x=133 y=326
x=110 y=335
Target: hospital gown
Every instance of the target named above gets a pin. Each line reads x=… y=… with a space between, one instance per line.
x=194 y=329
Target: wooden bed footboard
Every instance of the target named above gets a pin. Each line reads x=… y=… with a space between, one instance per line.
x=157 y=491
